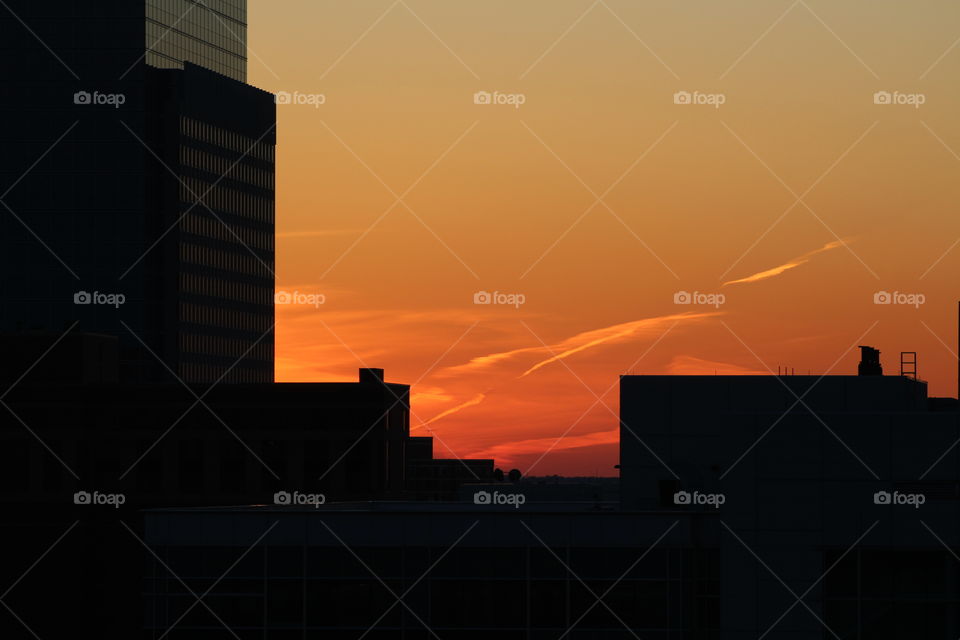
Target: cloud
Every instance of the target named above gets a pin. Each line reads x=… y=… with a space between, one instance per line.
x=475 y=400
x=507 y=452
x=796 y=262
x=577 y=343
x=566 y=348
x=597 y=337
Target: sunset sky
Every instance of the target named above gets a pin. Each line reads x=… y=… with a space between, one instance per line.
x=787 y=208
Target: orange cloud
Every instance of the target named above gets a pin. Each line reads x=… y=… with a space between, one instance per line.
x=796 y=262
x=568 y=347
x=475 y=400
x=577 y=343
x=507 y=452
x=597 y=337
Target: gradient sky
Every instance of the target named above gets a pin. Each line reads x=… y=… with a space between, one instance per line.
x=692 y=198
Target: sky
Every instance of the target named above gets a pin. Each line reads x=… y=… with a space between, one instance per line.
x=509 y=204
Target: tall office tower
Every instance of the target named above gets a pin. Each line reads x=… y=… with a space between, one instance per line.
x=137 y=183
x=211 y=34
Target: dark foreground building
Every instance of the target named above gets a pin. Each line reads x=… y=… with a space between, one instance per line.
x=460 y=572
x=137 y=183
x=82 y=453
x=838 y=497
x=71 y=424
x=744 y=513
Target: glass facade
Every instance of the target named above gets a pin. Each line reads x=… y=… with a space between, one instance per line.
x=211 y=34
x=226 y=254
x=516 y=592
x=892 y=593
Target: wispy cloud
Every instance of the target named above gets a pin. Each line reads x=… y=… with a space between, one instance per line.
x=579 y=342
x=475 y=400
x=597 y=337
x=564 y=349
x=796 y=262
x=508 y=452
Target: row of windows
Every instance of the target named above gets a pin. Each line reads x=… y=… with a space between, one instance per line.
x=201 y=223
x=227 y=200
x=226 y=290
x=194 y=372
x=184 y=30
x=239 y=261
x=224 y=318
x=171 y=58
x=227 y=139
x=232 y=13
x=230 y=168
x=225 y=347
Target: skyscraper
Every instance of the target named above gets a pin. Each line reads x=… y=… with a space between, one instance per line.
x=137 y=188
x=211 y=34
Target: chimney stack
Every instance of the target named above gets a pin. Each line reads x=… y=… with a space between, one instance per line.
x=869 y=362
x=371 y=376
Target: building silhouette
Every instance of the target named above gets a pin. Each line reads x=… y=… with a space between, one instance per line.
x=73 y=432
x=138 y=184
x=155 y=481
x=842 y=488
x=744 y=512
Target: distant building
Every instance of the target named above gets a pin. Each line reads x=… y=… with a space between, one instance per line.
x=139 y=167
x=849 y=495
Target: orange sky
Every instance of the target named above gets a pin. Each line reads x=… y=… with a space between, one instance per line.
x=600 y=198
